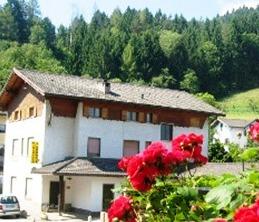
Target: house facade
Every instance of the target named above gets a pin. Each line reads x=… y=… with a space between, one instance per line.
x=66 y=134
x=232 y=130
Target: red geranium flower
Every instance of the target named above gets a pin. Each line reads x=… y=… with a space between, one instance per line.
x=123 y=163
x=254 y=132
x=121 y=209
x=248 y=214
x=190 y=147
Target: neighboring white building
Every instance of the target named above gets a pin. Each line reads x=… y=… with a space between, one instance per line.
x=66 y=134
x=231 y=130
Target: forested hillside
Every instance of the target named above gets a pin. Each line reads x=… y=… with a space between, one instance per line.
x=219 y=56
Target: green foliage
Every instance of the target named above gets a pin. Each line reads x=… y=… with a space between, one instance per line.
x=190 y=81
x=218 y=56
x=28 y=56
x=208 y=98
x=217 y=152
x=250 y=154
x=179 y=198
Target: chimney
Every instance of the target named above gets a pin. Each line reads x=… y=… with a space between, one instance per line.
x=104 y=86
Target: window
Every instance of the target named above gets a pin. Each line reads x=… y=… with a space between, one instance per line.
x=149 y=118
x=131 y=116
x=13 y=184
x=147 y=143
x=166 y=131
x=28 y=188
x=22 y=146
x=108 y=195
x=93 y=147
x=15 y=147
x=2 y=128
x=31 y=111
x=130 y=147
x=29 y=142
x=94 y=112
x=16 y=115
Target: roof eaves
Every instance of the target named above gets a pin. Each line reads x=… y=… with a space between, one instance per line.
x=27 y=80
x=64 y=165
x=219 y=113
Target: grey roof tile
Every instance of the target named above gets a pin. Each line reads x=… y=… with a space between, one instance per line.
x=82 y=166
x=82 y=87
x=236 y=123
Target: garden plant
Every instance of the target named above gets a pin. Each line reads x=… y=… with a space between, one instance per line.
x=158 y=189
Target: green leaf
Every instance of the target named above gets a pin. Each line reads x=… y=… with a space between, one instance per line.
x=250 y=154
x=221 y=196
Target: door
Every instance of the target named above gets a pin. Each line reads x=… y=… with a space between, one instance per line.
x=107 y=195
x=53 y=194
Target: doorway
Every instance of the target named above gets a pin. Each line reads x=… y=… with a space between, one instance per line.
x=53 y=194
x=108 y=195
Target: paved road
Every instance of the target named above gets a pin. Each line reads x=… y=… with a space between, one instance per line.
x=51 y=217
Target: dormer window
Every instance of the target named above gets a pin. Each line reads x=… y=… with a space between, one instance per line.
x=131 y=116
x=94 y=112
x=16 y=115
x=31 y=111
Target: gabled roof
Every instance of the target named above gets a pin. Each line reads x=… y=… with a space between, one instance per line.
x=83 y=166
x=81 y=87
x=234 y=123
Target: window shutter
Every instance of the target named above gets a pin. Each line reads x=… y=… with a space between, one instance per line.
x=141 y=117
x=124 y=115
x=86 y=111
x=155 y=118
x=195 y=122
x=105 y=113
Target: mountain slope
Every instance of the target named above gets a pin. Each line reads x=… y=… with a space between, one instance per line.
x=243 y=105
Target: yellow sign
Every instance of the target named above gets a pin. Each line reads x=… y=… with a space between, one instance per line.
x=35 y=152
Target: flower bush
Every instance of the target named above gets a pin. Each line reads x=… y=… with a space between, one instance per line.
x=248 y=214
x=156 y=191
x=254 y=132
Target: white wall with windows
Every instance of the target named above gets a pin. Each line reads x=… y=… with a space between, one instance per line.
x=226 y=134
x=18 y=179
x=112 y=134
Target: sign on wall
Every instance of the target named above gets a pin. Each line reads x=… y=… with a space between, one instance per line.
x=34 y=152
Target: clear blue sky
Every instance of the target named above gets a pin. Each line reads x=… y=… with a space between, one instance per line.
x=62 y=11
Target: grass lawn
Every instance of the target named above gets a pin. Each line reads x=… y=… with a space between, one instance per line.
x=243 y=105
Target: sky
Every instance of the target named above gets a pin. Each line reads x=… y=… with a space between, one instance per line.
x=63 y=11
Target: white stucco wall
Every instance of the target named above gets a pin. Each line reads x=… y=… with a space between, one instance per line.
x=59 y=137
x=88 y=191
x=225 y=132
x=113 y=133
x=19 y=165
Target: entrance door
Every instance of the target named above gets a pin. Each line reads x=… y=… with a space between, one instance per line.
x=107 y=195
x=53 y=194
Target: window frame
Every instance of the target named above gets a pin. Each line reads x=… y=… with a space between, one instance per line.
x=2 y=128
x=26 y=188
x=130 y=115
x=93 y=112
x=147 y=143
x=150 y=118
x=28 y=150
x=167 y=136
x=91 y=155
x=124 y=141
x=13 y=147
x=12 y=180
